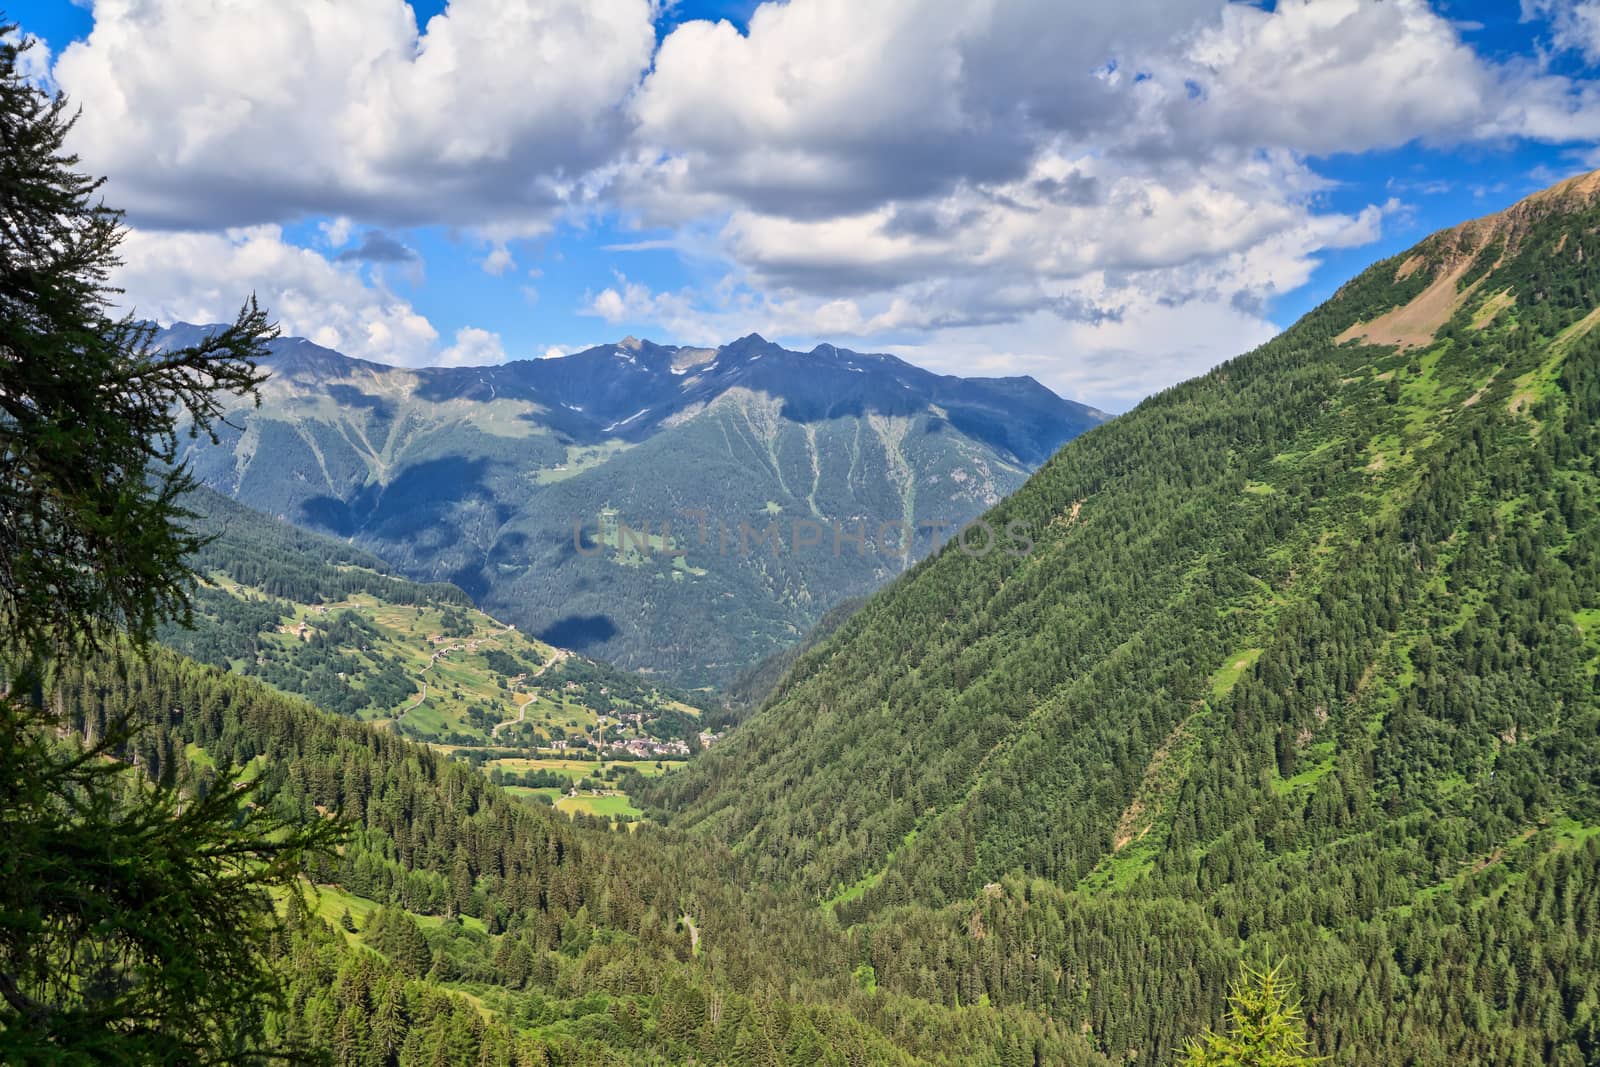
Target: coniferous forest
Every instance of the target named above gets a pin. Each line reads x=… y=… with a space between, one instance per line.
x=1281 y=745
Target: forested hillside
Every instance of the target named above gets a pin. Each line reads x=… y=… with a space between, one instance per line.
x=1279 y=742
x=310 y=615
x=458 y=925
x=1303 y=663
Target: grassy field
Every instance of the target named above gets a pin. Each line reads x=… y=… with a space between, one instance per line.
x=331 y=902
x=544 y=796
x=1229 y=674
x=577 y=771
x=572 y=768
x=612 y=804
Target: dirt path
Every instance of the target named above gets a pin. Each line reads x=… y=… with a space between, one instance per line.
x=522 y=714
x=556 y=656
x=415 y=705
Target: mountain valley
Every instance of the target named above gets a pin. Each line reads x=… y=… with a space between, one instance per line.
x=313 y=617
x=1304 y=665
x=661 y=705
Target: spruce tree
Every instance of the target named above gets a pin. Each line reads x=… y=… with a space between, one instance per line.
x=1265 y=1027
x=92 y=410
x=135 y=908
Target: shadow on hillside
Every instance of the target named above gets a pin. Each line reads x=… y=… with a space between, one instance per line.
x=579 y=632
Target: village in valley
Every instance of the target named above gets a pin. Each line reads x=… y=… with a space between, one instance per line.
x=550 y=726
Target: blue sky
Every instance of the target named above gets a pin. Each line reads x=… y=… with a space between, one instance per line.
x=1109 y=200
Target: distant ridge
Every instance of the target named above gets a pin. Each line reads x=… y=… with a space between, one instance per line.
x=476 y=475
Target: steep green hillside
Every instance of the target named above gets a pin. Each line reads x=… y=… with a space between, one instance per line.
x=457 y=925
x=505 y=481
x=311 y=616
x=1304 y=660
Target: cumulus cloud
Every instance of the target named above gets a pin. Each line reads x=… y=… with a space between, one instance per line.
x=473 y=348
x=1106 y=194
x=633 y=302
x=203 y=277
x=1399 y=71
x=841 y=106
x=940 y=176
x=484 y=116
x=1099 y=248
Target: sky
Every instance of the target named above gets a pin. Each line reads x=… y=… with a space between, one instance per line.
x=1108 y=197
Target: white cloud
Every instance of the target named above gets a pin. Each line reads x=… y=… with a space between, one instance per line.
x=609 y=305
x=843 y=108
x=836 y=106
x=1077 y=189
x=338 y=231
x=633 y=302
x=940 y=177
x=1114 y=362
x=204 y=277
x=498 y=261
x=341 y=106
x=1081 y=242
x=473 y=348
x=1399 y=71
x=1324 y=76
x=1574 y=24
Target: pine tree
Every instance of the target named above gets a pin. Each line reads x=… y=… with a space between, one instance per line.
x=1265 y=1027
x=135 y=916
x=91 y=412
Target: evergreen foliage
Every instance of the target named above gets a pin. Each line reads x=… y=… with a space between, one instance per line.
x=1265 y=1028
x=1293 y=670
x=1305 y=665
x=135 y=916
x=89 y=545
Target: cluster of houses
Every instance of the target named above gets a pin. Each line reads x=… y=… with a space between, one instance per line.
x=640 y=747
x=647 y=747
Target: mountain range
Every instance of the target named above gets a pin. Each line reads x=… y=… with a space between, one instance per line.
x=771 y=481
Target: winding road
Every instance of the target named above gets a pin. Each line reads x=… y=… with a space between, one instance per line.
x=556 y=656
x=415 y=705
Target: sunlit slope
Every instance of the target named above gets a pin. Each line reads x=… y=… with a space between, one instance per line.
x=1332 y=604
x=314 y=617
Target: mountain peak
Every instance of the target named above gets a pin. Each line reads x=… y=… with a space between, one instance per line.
x=1580 y=190
x=1574 y=194
x=1473 y=272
